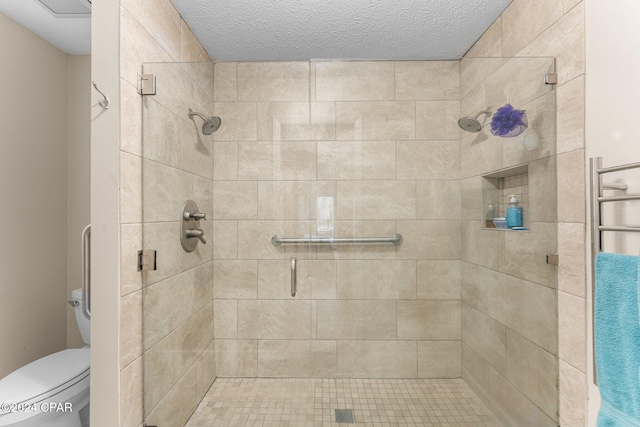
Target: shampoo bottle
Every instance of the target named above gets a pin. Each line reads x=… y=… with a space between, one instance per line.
x=514 y=213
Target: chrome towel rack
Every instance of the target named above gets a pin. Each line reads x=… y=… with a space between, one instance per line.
x=597 y=227
x=276 y=240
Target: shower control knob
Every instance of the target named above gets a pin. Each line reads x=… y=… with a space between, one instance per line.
x=196 y=232
x=195 y=216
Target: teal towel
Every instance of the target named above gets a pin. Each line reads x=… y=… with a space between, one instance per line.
x=617 y=340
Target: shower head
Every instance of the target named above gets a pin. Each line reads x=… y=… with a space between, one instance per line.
x=472 y=124
x=210 y=125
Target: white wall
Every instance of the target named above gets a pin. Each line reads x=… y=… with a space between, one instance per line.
x=612 y=130
x=33 y=187
x=78 y=178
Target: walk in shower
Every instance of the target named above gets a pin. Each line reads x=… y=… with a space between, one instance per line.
x=440 y=305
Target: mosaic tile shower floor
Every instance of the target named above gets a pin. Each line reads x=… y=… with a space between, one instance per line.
x=241 y=402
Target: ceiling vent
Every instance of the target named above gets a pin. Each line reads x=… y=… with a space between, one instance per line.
x=68 y=8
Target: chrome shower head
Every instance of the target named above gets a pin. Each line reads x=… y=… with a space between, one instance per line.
x=210 y=125
x=472 y=124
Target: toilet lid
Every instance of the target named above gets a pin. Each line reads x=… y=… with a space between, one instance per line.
x=43 y=375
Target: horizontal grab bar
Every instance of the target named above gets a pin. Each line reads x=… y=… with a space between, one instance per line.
x=396 y=239
x=618 y=198
x=618 y=168
x=618 y=228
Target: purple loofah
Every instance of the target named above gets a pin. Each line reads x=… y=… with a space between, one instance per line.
x=508 y=122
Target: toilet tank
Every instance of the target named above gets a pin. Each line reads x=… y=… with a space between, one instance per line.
x=84 y=324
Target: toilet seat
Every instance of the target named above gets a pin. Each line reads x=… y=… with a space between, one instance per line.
x=45 y=377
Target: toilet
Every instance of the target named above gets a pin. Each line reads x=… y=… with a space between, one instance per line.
x=52 y=391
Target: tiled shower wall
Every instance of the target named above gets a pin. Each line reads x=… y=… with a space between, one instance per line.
x=171 y=165
x=551 y=28
x=380 y=140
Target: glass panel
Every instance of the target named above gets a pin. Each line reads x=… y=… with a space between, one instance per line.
x=349 y=150
x=179 y=361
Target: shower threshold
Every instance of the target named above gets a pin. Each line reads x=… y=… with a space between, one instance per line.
x=241 y=402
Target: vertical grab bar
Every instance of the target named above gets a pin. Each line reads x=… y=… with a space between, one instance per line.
x=86 y=271
x=294 y=277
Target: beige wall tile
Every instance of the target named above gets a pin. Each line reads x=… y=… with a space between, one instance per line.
x=225 y=318
x=376 y=200
x=130 y=188
x=523 y=21
x=273 y=81
x=277 y=160
x=225 y=161
x=131 y=394
x=428 y=160
x=284 y=358
x=239 y=121
x=571 y=187
x=542 y=192
x=572 y=330
x=162 y=133
x=564 y=40
x=573 y=396
x=202 y=75
x=429 y=239
x=293 y=199
x=572 y=268
x=475 y=372
x=161 y=21
x=532 y=246
x=324 y=358
x=176 y=97
x=225 y=81
x=427 y=80
x=474 y=71
x=130 y=243
x=235 y=200
x=254 y=240
x=484 y=336
x=439 y=359
x=376 y=279
x=137 y=46
x=225 y=239
x=270 y=319
x=437 y=120
x=482 y=289
x=343 y=160
x=190 y=48
x=471 y=199
x=438 y=279
x=533 y=371
x=356 y=319
x=296 y=121
x=196 y=150
x=354 y=81
x=474 y=102
x=571 y=110
x=130 y=328
x=375 y=120
x=490 y=44
x=482 y=247
x=438 y=199
x=512 y=407
x=235 y=279
x=164 y=192
x=236 y=358
x=531 y=311
x=160 y=372
x=429 y=320
x=130 y=119
x=377 y=359
x=205 y=372
x=480 y=153
x=194 y=336
x=178 y=404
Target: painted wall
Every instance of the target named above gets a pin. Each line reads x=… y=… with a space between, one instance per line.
x=612 y=128
x=33 y=184
x=555 y=28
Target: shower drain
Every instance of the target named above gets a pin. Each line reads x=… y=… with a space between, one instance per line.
x=344 y=416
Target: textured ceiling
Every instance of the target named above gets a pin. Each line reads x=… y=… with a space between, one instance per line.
x=338 y=29
x=71 y=35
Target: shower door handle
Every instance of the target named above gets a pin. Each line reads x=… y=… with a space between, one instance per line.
x=294 y=277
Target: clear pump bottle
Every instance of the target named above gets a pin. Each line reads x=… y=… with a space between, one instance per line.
x=514 y=213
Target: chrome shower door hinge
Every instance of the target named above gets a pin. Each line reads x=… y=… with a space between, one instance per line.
x=147 y=260
x=551 y=79
x=553 y=259
x=147 y=84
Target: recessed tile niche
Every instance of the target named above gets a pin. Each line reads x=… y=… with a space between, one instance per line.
x=496 y=188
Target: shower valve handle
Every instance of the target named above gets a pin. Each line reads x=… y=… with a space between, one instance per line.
x=195 y=216
x=196 y=232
